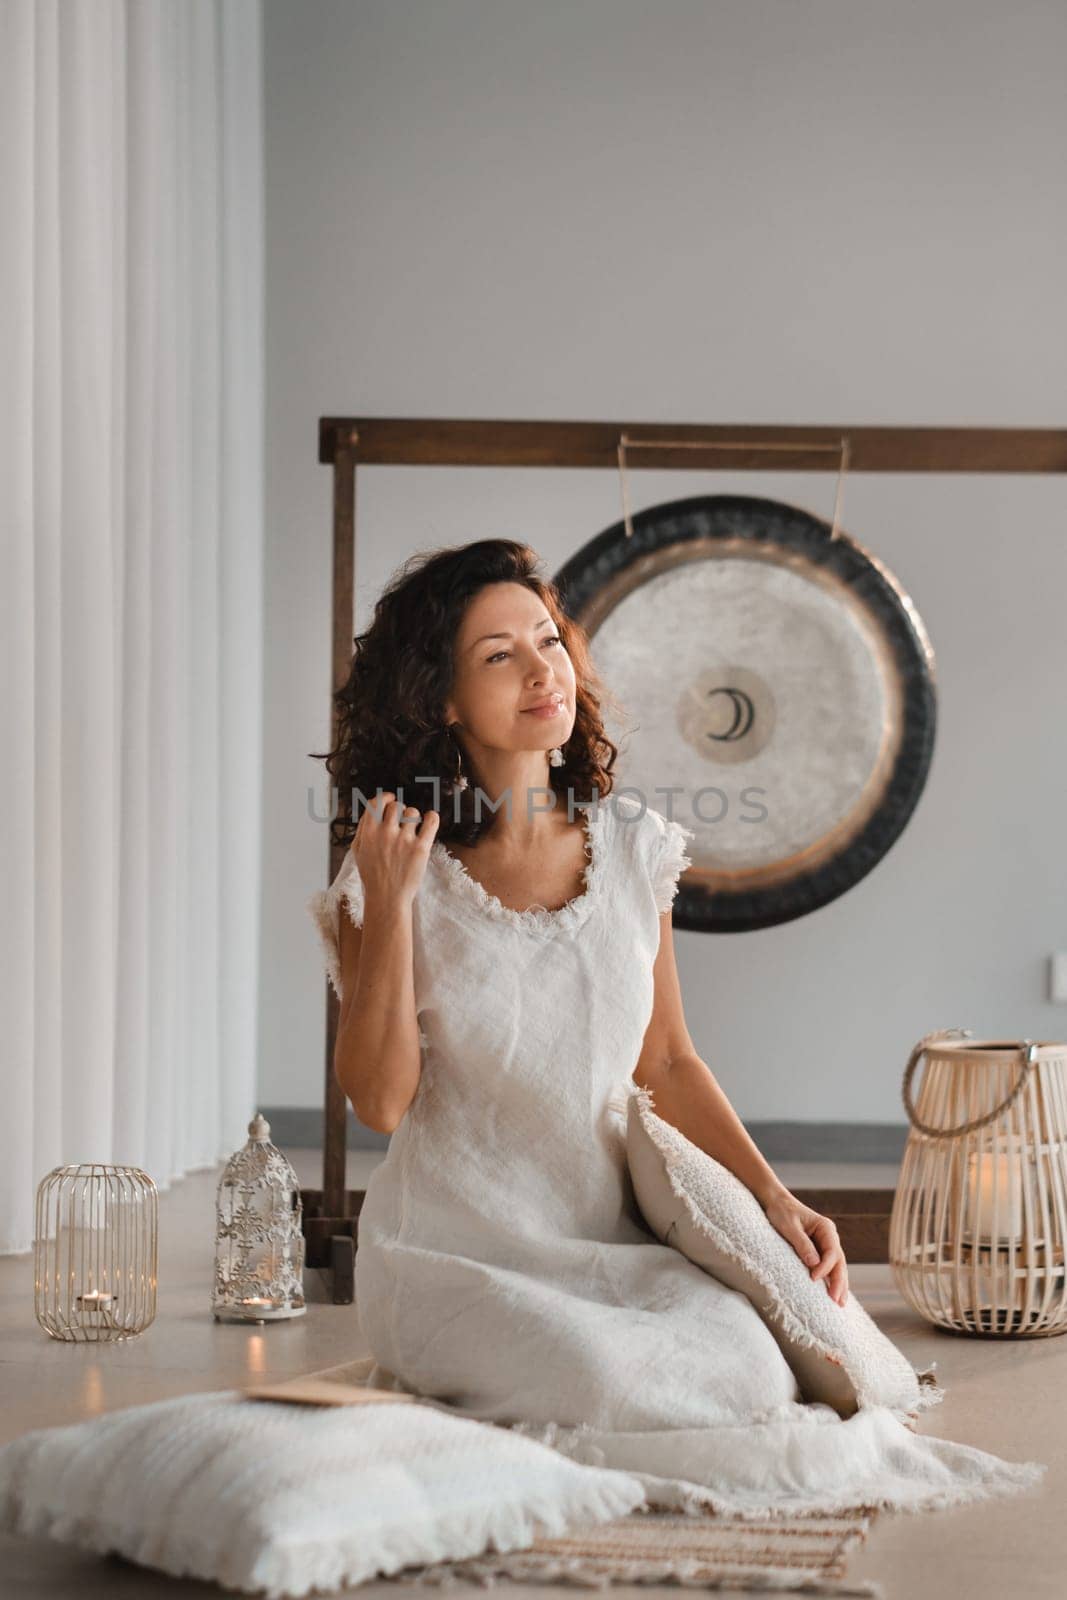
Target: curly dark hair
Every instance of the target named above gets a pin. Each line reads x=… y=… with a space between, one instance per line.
x=389 y=715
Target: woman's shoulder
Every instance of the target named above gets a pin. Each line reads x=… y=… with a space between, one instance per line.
x=326 y=907
x=658 y=844
x=636 y=819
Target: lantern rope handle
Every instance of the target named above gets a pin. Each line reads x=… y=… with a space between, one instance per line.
x=1027 y=1052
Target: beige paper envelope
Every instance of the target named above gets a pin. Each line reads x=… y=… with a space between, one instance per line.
x=316 y=1390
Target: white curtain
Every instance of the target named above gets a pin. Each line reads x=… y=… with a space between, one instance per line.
x=131 y=425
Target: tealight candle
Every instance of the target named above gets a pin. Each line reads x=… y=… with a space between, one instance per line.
x=95 y=1300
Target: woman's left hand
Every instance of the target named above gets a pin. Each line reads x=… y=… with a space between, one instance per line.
x=814 y=1238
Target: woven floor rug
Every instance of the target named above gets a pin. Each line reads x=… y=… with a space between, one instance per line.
x=700 y=1549
x=804 y=1553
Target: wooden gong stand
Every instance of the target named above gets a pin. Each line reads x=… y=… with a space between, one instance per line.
x=331 y=1214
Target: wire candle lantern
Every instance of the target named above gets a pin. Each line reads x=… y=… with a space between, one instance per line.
x=95 y=1252
x=259 y=1245
x=979 y=1219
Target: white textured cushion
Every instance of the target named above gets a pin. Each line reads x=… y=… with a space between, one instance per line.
x=691 y=1201
x=287 y=1498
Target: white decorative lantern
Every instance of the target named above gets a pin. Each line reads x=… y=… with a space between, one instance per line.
x=979 y=1220
x=94 y=1252
x=259 y=1246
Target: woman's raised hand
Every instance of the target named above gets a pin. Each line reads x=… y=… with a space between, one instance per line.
x=391 y=849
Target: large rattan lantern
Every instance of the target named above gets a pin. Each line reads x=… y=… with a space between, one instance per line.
x=979 y=1220
x=259 y=1245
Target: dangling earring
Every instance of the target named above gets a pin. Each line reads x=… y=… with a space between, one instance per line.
x=459 y=781
x=555 y=757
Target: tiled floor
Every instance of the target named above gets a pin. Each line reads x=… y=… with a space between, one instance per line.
x=1009 y=1397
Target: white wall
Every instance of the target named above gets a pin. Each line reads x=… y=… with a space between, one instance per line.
x=822 y=212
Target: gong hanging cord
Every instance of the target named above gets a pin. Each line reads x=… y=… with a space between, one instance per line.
x=841 y=449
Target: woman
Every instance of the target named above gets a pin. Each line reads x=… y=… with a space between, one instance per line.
x=499 y=936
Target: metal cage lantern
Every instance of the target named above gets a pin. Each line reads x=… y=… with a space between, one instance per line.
x=259 y=1246
x=95 y=1252
x=979 y=1220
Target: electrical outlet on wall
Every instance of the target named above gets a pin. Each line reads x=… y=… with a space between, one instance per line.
x=1057 y=977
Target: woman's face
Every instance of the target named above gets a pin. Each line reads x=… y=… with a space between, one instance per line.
x=498 y=678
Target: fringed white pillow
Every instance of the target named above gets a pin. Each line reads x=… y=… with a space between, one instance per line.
x=283 y=1499
x=691 y=1201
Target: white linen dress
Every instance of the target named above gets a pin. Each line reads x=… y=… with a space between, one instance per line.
x=503 y=1269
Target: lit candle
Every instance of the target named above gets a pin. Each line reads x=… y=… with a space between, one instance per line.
x=987 y=1170
x=258 y=1303
x=95 y=1300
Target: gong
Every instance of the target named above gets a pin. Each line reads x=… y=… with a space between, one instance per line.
x=779 y=690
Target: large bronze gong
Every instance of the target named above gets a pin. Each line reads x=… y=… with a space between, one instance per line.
x=776 y=679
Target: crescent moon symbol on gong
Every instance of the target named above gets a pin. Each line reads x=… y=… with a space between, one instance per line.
x=744 y=712
x=733 y=732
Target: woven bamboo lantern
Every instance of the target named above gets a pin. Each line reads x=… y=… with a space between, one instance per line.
x=979 y=1220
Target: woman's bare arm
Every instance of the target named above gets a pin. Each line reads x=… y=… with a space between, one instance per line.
x=377 y=1059
x=376 y=1056
x=685 y=1090
x=686 y=1094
